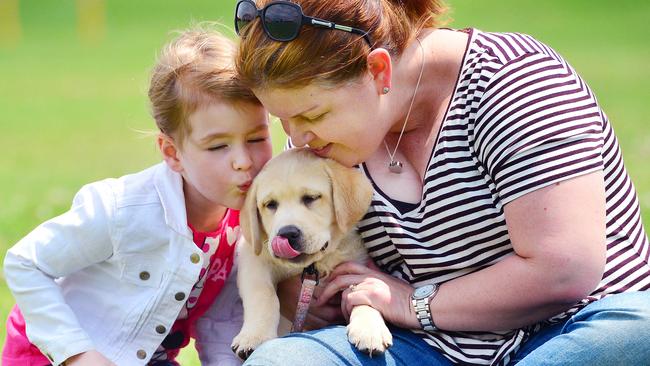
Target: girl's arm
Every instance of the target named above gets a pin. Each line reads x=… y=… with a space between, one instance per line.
x=89 y=358
x=56 y=248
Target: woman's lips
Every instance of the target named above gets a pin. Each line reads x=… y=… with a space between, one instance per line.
x=322 y=151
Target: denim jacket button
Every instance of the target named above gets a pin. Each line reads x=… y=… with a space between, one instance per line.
x=195 y=258
x=144 y=275
x=141 y=354
x=179 y=296
x=160 y=329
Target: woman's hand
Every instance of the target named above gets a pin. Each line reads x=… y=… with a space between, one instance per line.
x=90 y=358
x=368 y=285
x=320 y=315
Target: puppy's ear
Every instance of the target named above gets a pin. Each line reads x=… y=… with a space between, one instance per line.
x=351 y=194
x=250 y=221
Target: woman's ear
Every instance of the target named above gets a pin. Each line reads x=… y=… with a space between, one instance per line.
x=380 y=66
x=170 y=152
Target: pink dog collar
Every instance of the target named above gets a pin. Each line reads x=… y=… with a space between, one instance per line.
x=309 y=282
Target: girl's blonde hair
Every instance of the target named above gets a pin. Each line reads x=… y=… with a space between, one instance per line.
x=330 y=57
x=193 y=70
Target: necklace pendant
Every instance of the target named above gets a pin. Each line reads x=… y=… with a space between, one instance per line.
x=395 y=167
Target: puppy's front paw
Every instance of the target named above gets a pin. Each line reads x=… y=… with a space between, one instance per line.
x=245 y=343
x=368 y=332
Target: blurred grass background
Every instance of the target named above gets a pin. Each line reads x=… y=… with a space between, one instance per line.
x=73 y=82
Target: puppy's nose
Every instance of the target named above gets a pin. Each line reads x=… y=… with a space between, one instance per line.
x=293 y=234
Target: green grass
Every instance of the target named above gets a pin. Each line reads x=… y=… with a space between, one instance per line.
x=71 y=108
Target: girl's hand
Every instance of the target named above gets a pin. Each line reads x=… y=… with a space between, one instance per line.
x=368 y=285
x=320 y=315
x=90 y=358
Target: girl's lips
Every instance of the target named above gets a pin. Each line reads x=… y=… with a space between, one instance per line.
x=244 y=187
x=322 y=152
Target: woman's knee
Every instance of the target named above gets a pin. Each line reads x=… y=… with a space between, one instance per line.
x=613 y=331
x=619 y=323
x=619 y=308
x=276 y=352
x=324 y=347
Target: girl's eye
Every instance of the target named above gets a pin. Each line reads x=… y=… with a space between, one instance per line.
x=253 y=141
x=217 y=147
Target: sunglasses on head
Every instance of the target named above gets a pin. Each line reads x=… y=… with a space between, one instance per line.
x=282 y=20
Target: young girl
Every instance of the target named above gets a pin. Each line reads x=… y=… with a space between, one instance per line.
x=122 y=277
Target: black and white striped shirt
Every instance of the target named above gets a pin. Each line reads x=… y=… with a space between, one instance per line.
x=520 y=119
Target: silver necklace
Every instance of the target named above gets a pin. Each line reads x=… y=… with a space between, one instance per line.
x=395 y=166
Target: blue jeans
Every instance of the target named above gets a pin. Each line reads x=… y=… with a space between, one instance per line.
x=611 y=331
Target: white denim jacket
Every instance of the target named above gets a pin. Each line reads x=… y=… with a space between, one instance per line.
x=109 y=272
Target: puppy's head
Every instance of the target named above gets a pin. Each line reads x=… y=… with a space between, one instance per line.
x=301 y=205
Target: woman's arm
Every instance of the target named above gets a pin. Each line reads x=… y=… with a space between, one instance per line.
x=558 y=236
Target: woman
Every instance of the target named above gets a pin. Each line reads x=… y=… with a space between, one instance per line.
x=503 y=223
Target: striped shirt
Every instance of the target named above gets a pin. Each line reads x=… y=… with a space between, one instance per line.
x=520 y=119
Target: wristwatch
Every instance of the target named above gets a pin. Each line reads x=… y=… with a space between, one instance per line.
x=420 y=300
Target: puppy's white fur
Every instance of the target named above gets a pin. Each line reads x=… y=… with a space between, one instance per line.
x=324 y=200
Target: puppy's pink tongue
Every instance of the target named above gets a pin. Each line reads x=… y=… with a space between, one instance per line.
x=281 y=248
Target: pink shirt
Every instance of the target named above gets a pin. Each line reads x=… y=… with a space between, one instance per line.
x=218 y=245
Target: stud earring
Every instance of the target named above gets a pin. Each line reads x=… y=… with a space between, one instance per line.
x=385 y=90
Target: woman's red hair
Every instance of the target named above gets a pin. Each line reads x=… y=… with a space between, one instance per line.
x=331 y=57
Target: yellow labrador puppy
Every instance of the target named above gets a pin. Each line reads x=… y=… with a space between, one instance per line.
x=301 y=209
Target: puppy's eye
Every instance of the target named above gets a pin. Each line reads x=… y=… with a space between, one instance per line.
x=271 y=205
x=308 y=199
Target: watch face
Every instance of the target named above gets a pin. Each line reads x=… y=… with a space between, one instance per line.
x=422 y=292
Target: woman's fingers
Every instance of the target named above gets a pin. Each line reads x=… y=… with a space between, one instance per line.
x=336 y=285
x=328 y=313
x=342 y=276
x=327 y=307
x=318 y=293
x=370 y=263
x=344 y=307
x=322 y=316
x=313 y=322
x=350 y=268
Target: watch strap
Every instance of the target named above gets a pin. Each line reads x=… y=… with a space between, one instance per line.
x=423 y=311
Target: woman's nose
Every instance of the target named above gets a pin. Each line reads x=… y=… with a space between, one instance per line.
x=299 y=136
